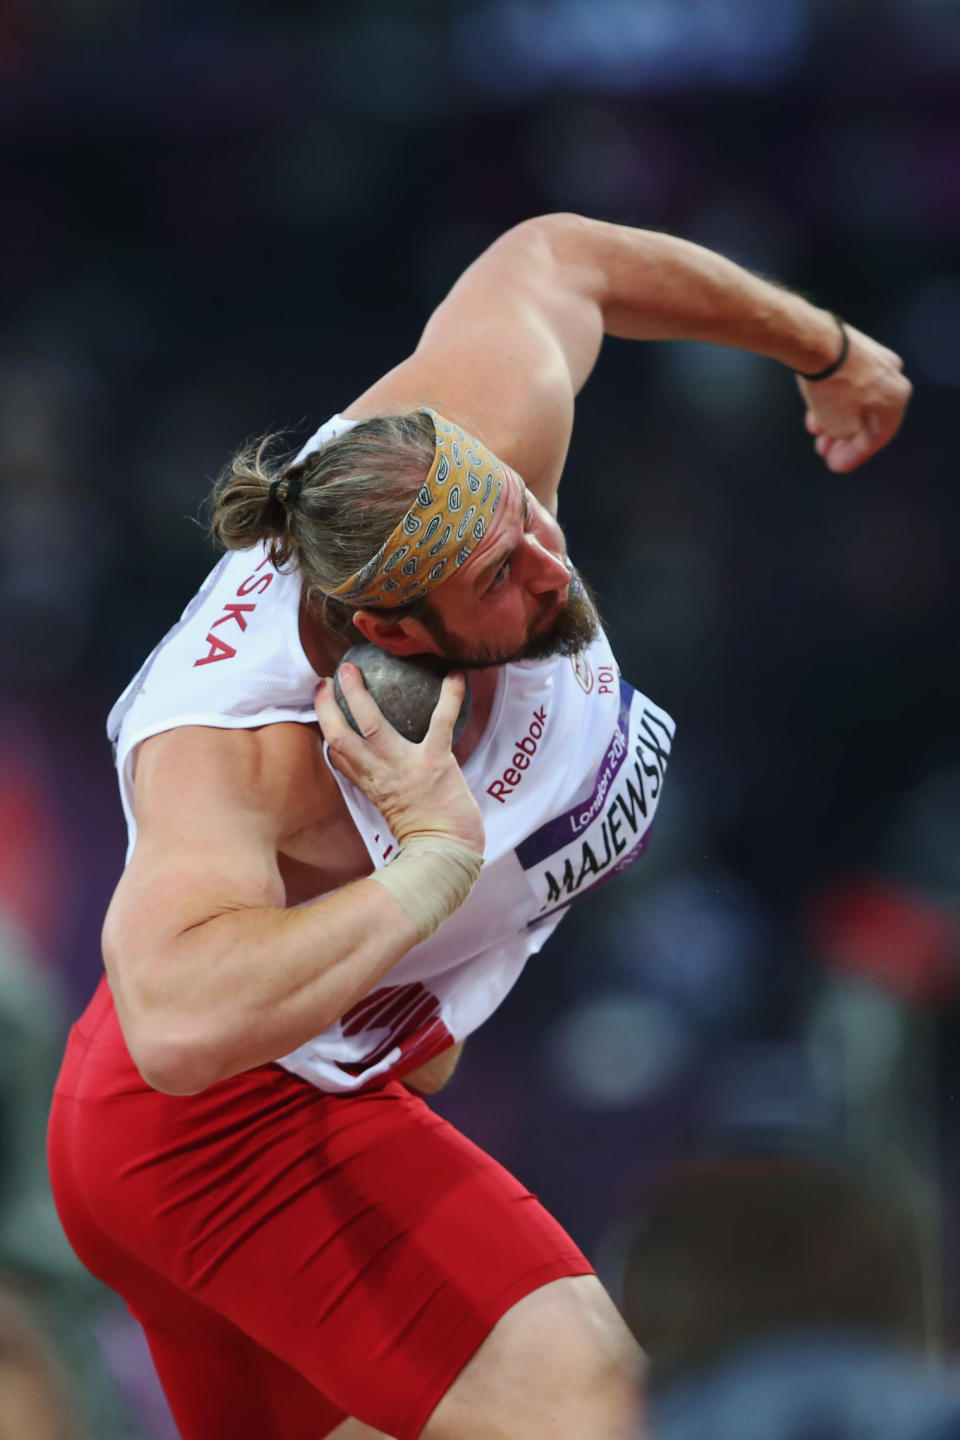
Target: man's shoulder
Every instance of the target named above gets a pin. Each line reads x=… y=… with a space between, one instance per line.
x=275 y=769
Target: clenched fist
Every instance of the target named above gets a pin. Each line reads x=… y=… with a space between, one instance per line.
x=857 y=410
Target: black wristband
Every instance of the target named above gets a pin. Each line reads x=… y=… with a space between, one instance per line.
x=834 y=365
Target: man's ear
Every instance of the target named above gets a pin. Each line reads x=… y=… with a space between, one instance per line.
x=400 y=637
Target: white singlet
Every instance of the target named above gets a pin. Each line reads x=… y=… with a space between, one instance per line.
x=567 y=774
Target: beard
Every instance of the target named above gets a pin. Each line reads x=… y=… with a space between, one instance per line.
x=576 y=625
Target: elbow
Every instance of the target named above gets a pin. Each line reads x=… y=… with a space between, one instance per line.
x=565 y=234
x=558 y=222
x=544 y=240
x=568 y=252
x=174 y=1051
x=170 y=1063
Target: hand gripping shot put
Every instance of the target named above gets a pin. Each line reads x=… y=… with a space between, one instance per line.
x=406 y=690
x=343 y=852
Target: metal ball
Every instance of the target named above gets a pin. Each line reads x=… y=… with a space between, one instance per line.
x=406 y=688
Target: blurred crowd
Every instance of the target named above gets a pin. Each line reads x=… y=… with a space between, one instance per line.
x=220 y=220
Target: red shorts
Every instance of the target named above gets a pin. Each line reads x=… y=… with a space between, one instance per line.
x=294 y=1257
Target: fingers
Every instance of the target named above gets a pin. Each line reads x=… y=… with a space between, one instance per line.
x=364 y=709
x=447 y=709
x=416 y=788
x=842 y=453
x=333 y=722
x=350 y=752
x=357 y=756
x=846 y=454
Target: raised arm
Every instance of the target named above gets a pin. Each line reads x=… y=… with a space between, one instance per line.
x=511 y=345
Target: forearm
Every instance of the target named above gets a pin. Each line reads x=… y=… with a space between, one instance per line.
x=250 y=985
x=649 y=286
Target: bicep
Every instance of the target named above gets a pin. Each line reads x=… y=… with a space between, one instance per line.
x=207 y=831
x=507 y=351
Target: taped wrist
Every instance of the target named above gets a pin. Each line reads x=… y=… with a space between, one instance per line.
x=430 y=878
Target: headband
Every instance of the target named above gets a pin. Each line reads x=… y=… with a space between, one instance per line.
x=441 y=529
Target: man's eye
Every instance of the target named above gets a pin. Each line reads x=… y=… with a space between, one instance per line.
x=500 y=576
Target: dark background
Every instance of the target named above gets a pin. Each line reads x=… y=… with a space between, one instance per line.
x=219 y=219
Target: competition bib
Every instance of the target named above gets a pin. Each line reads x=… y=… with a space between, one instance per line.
x=609 y=829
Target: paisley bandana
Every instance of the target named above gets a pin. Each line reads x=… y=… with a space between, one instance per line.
x=442 y=528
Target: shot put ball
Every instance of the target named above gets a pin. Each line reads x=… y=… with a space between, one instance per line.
x=406 y=688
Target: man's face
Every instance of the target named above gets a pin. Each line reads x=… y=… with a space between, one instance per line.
x=517 y=597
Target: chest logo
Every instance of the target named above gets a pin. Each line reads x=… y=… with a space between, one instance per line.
x=524 y=752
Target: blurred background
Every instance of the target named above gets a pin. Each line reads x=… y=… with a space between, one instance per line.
x=219 y=219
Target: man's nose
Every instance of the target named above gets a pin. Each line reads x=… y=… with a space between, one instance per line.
x=544 y=570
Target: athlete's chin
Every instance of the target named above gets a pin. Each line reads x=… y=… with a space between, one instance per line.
x=568 y=633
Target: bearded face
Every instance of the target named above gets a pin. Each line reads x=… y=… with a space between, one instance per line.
x=557 y=632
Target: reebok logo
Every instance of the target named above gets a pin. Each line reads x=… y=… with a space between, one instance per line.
x=523 y=754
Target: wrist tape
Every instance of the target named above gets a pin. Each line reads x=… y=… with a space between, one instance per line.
x=430 y=878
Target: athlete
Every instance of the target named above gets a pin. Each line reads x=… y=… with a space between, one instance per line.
x=312 y=920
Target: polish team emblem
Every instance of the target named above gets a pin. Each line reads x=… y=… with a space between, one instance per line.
x=582 y=670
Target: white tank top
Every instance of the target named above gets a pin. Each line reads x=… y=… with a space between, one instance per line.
x=567 y=774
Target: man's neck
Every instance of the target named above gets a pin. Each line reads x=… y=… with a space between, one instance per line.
x=321 y=646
